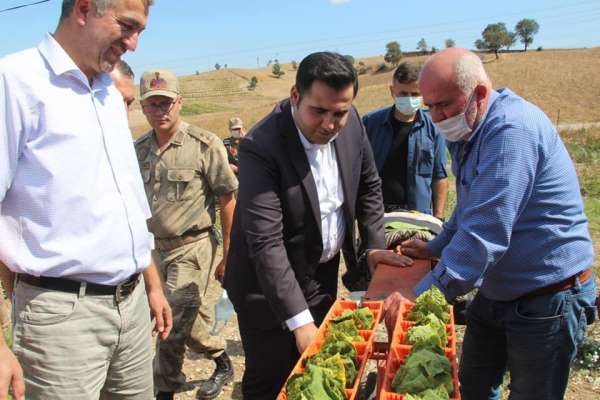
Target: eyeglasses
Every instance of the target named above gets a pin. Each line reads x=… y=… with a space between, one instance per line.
x=163 y=107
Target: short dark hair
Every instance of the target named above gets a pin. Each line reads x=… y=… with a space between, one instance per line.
x=332 y=69
x=407 y=72
x=125 y=69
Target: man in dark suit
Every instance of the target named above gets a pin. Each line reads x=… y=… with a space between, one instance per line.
x=306 y=174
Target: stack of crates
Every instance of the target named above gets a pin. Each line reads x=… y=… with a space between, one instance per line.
x=400 y=348
x=363 y=349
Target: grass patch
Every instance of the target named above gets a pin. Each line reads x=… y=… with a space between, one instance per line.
x=198 y=108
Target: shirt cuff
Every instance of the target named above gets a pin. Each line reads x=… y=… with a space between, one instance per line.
x=298 y=320
x=437 y=244
x=427 y=282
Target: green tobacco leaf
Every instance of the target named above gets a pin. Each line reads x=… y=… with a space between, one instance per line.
x=423 y=369
x=431 y=301
x=431 y=331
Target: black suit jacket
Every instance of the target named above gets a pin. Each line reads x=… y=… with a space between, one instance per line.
x=276 y=240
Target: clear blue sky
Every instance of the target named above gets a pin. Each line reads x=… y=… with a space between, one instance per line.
x=191 y=35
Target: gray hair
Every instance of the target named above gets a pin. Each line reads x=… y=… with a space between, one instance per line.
x=469 y=72
x=101 y=6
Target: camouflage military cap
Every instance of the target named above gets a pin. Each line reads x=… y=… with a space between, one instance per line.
x=158 y=82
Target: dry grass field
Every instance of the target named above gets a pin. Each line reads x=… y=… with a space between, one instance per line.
x=559 y=81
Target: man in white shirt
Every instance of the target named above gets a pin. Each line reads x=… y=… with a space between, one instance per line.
x=306 y=174
x=73 y=215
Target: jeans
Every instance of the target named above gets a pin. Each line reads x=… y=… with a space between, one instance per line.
x=535 y=339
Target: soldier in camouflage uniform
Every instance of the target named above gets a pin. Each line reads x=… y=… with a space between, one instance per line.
x=185 y=171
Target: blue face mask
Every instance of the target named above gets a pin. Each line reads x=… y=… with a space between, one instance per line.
x=408 y=105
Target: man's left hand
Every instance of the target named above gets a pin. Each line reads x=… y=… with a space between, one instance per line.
x=375 y=257
x=161 y=311
x=220 y=271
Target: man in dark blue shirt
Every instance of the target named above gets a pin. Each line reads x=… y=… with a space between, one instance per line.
x=518 y=232
x=409 y=153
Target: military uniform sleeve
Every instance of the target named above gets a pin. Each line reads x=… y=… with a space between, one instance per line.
x=218 y=174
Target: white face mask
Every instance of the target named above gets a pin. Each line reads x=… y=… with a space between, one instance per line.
x=407 y=105
x=456 y=128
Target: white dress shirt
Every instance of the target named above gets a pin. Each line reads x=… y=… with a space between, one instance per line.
x=324 y=168
x=72 y=202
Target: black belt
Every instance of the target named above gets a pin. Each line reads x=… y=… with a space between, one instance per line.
x=120 y=291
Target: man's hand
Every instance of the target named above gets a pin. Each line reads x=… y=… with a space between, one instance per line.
x=391 y=307
x=234 y=168
x=415 y=248
x=161 y=311
x=375 y=257
x=220 y=271
x=11 y=374
x=304 y=336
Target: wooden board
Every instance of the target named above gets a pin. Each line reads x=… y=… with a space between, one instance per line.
x=388 y=279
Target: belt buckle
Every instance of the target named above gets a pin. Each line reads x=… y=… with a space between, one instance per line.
x=124 y=289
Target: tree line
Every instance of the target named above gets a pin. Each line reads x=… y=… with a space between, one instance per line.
x=493 y=38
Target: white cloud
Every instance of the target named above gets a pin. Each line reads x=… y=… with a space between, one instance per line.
x=336 y=2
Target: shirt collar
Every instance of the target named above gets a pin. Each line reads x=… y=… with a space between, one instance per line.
x=176 y=140
x=62 y=64
x=416 y=123
x=491 y=100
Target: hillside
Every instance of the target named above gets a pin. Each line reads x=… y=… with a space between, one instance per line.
x=564 y=83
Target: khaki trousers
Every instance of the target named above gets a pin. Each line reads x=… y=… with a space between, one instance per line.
x=86 y=347
x=186 y=272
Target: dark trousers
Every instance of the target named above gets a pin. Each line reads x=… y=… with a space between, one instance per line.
x=271 y=354
x=534 y=338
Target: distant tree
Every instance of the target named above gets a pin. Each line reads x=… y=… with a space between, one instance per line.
x=393 y=53
x=294 y=65
x=225 y=66
x=269 y=62
x=217 y=66
x=381 y=67
x=277 y=71
x=526 y=28
x=494 y=37
x=363 y=68
x=480 y=45
x=434 y=50
x=512 y=39
x=422 y=46
x=197 y=72
x=349 y=58
x=253 y=83
x=450 y=43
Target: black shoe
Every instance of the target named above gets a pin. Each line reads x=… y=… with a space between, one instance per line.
x=165 y=396
x=212 y=387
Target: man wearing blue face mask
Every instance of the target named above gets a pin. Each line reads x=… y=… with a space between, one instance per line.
x=518 y=232
x=409 y=152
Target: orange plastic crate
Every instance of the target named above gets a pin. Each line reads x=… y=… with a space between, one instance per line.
x=397 y=357
x=399 y=349
x=403 y=325
x=363 y=349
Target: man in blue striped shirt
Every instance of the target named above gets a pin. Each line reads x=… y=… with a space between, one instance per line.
x=518 y=233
